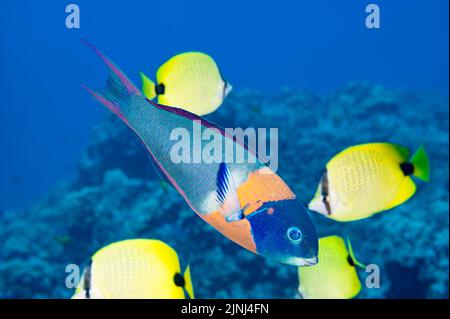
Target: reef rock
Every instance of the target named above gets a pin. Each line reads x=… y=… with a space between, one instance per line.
x=116 y=195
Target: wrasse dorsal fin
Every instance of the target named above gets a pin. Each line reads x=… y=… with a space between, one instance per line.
x=227 y=196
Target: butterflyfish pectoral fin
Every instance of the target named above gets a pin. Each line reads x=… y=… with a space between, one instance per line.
x=227 y=197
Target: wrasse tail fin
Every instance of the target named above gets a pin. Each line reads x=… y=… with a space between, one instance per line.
x=227 y=196
x=118 y=87
x=113 y=107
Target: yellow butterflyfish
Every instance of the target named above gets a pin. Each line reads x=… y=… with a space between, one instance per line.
x=191 y=81
x=135 y=269
x=334 y=276
x=369 y=178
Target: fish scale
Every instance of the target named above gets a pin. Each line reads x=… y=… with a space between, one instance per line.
x=366 y=179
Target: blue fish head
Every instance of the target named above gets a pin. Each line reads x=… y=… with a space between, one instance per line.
x=283 y=231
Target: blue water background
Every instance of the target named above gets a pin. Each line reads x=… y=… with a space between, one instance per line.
x=313 y=45
x=73 y=178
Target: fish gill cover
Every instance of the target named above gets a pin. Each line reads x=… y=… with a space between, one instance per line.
x=116 y=195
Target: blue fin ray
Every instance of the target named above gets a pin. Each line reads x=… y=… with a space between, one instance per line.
x=227 y=196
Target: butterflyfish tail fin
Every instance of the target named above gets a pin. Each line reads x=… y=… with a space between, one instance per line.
x=352 y=255
x=148 y=87
x=227 y=196
x=189 y=289
x=421 y=164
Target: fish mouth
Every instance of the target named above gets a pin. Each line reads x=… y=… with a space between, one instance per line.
x=302 y=262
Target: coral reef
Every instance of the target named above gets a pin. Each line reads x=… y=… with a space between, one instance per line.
x=117 y=195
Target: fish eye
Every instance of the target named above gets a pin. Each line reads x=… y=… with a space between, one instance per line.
x=294 y=234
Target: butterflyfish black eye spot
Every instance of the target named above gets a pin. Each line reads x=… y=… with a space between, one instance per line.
x=178 y=279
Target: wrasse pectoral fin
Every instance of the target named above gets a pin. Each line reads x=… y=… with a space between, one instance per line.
x=227 y=196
